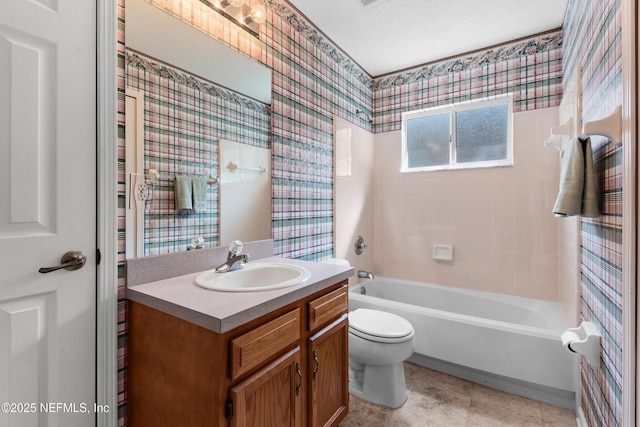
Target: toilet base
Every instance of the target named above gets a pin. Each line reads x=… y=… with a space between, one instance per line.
x=380 y=384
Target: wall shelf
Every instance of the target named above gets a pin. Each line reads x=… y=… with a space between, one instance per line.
x=609 y=127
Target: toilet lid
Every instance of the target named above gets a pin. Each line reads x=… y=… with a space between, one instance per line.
x=376 y=323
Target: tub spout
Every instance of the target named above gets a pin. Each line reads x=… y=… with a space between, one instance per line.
x=365 y=274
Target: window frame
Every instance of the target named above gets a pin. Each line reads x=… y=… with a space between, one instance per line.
x=452 y=109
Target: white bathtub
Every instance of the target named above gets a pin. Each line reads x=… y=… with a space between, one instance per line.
x=508 y=342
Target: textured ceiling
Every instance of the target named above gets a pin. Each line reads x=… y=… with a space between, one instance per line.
x=390 y=35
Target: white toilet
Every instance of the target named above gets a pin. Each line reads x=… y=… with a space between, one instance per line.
x=379 y=343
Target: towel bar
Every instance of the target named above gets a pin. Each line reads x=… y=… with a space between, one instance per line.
x=153 y=176
x=232 y=167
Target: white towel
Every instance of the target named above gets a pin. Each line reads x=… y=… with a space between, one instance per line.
x=577 y=193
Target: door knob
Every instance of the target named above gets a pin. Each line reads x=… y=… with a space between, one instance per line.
x=72 y=260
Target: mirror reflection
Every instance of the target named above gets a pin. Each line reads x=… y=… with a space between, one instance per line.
x=185 y=103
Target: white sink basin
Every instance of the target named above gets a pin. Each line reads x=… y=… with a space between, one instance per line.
x=255 y=276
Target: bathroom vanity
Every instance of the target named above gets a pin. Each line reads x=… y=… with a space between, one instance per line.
x=199 y=357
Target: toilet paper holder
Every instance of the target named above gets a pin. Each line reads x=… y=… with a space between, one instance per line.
x=584 y=340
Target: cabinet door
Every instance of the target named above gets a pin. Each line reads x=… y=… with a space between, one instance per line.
x=272 y=396
x=328 y=374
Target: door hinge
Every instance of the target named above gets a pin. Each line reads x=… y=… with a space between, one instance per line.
x=98 y=256
x=228 y=409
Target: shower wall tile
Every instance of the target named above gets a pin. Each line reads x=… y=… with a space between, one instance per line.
x=569 y=269
x=354 y=196
x=498 y=219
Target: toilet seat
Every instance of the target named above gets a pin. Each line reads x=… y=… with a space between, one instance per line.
x=379 y=326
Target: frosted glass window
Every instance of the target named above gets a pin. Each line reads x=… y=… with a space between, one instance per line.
x=481 y=134
x=466 y=135
x=428 y=140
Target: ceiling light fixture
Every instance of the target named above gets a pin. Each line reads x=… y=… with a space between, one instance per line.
x=248 y=14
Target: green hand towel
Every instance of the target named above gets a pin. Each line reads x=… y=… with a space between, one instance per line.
x=182 y=188
x=199 y=188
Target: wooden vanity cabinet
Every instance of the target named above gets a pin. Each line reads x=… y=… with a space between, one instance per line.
x=328 y=362
x=271 y=396
x=288 y=368
x=328 y=368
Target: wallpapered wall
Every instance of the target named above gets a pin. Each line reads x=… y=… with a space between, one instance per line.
x=313 y=81
x=593 y=40
x=530 y=69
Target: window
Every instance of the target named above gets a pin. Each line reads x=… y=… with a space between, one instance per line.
x=468 y=135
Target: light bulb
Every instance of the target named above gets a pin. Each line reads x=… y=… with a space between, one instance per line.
x=258 y=15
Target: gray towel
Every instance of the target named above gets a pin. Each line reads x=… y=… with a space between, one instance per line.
x=182 y=189
x=577 y=193
x=590 y=193
x=199 y=188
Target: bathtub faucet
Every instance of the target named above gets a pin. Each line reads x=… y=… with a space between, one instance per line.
x=235 y=260
x=365 y=274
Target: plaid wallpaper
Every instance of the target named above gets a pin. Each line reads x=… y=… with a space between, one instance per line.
x=593 y=39
x=312 y=82
x=530 y=69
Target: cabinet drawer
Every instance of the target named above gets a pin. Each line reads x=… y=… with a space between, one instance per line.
x=251 y=350
x=327 y=307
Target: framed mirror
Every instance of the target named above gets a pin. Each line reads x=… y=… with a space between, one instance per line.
x=186 y=92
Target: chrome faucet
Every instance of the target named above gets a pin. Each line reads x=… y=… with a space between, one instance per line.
x=235 y=260
x=365 y=274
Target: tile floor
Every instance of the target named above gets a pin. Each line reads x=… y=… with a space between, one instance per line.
x=436 y=399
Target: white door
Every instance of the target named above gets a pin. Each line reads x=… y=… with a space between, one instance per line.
x=47 y=207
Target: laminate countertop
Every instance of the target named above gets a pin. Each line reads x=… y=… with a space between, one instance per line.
x=221 y=311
